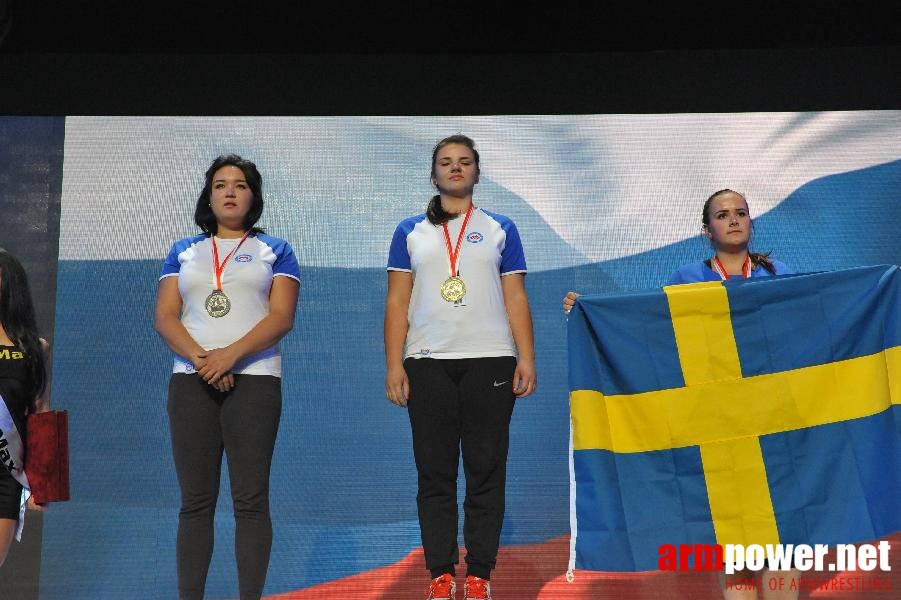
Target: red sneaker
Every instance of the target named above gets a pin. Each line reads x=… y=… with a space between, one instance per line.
x=442 y=588
x=476 y=588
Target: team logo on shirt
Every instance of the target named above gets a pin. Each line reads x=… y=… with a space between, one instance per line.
x=243 y=258
x=474 y=237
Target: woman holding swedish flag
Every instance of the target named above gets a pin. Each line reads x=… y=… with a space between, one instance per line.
x=726 y=223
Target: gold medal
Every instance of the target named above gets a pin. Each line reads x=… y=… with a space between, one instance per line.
x=453 y=289
x=217 y=304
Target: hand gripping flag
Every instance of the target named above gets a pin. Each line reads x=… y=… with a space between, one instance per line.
x=756 y=411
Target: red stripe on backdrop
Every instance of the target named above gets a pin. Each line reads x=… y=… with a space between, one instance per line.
x=538 y=572
x=521 y=573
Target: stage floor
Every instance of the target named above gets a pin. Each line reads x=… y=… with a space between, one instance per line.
x=539 y=573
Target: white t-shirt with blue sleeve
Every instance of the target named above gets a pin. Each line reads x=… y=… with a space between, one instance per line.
x=477 y=326
x=246 y=280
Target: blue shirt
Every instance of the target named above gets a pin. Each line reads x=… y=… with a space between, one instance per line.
x=699 y=271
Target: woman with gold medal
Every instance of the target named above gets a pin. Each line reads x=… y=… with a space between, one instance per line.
x=225 y=299
x=459 y=351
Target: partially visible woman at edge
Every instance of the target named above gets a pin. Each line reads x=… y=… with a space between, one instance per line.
x=225 y=299
x=726 y=223
x=459 y=351
x=25 y=389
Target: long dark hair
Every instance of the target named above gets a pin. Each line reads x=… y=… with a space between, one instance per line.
x=756 y=257
x=434 y=211
x=18 y=320
x=203 y=214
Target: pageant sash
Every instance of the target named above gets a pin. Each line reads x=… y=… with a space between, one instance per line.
x=12 y=454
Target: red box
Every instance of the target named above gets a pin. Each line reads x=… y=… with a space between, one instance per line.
x=47 y=455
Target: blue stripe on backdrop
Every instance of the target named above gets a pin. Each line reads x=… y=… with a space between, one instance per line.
x=835 y=222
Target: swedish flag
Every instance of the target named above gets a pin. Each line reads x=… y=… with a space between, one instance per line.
x=754 y=411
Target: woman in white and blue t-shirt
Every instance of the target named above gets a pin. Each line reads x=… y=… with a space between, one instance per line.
x=459 y=351
x=225 y=299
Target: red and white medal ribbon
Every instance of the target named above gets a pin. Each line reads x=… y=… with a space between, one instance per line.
x=454 y=253
x=720 y=270
x=217 y=304
x=218 y=267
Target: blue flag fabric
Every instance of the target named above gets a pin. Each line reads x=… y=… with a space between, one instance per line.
x=759 y=411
